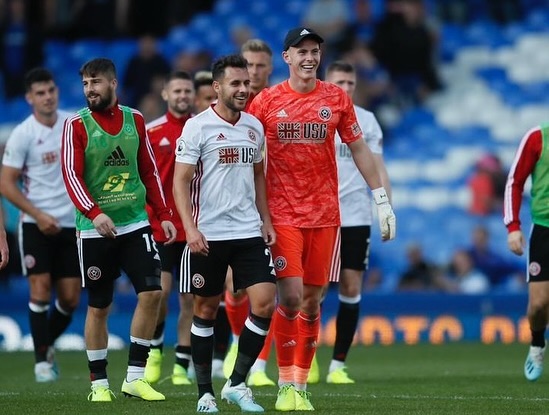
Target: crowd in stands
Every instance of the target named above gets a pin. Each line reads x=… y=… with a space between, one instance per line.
x=395 y=54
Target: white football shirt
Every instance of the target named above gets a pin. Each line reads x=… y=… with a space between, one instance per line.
x=355 y=200
x=36 y=149
x=223 y=188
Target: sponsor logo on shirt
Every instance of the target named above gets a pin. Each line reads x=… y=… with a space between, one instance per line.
x=49 y=157
x=235 y=155
x=116 y=158
x=116 y=182
x=296 y=132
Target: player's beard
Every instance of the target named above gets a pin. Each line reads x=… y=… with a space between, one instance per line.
x=104 y=102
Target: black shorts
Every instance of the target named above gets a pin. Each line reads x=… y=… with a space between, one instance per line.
x=355 y=247
x=170 y=257
x=55 y=254
x=538 y=254
x=102 y=259
x=250 y=260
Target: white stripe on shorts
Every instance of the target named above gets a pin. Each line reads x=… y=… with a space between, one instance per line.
x=185 y=279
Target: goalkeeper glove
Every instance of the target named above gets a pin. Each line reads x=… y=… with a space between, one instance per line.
x=385 y=214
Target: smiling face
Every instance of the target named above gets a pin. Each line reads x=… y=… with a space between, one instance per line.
x=179 y=95
x=303 y=59
x=233 y=89
x=100 y=91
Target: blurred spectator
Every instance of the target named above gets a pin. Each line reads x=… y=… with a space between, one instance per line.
x=181 y=12
x=204 y=93
x=464 y=277
x=330 y=18
x=505 y=11
x=405 y=45
x=147 y=67
x=151 y=106
x=421 y=275
x=21 y=45
x=487 y=186
x=104 y=19
x=192 y=61
x=453 y=11
x=500 y=271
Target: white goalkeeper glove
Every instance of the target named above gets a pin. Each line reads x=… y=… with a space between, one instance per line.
x=385 y=214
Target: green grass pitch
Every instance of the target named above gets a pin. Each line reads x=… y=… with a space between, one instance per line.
x=464 y=378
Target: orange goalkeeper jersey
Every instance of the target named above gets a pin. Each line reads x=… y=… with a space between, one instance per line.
x=301 y=171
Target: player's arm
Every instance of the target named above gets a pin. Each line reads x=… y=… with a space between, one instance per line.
x=528 y=154
x=4 y=248
x=9 y=187
x=383 y=175
x=261 y=202
x=73 y=145
x=183 y=175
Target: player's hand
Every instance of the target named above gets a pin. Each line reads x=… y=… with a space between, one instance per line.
x=385 y=214
x=196 y=242
x=4 y=250
x=516 y=242
x=268 y=233
x=47 y=224
x=170 y=232
x=104 y=226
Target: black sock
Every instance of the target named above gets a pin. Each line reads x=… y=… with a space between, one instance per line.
x=538 y=338
x=346 y=322
x=58 y=323
x=138 y=354
x=202 y=351
x=249 y=347
x=158 y=333
x=183 y=356
x=222 y=331
x=39 y=330
x=98 y=369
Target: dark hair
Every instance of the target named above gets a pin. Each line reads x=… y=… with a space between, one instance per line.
x=177 y=75
x=99 y=66
x=36 y=75
x=229 y=61
x=340 y=66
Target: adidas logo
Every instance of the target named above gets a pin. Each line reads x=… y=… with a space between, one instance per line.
x=221 y=137
x=96 y=133
x=281 y=114
x=117 y=158
x=164 y=142
x=291 y=343
x=304 y=32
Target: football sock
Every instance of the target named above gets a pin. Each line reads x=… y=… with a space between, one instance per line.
x=285 y=333
x=346 y=322
x=222 y=332
x=38 y=321
x=58 y=321
x=157 y=341
x=183 y=356
x=97 y=363
x=237 y=312
x=137 y=358
x=250 y=344
x=202 y=341
x=266 y=350
x=538 y=338
x=308 y=329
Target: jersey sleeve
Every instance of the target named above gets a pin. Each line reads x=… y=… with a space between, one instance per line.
x=73 y=146
x=148 y=173
x=528 y=154
x=15 y=152
x=348 y=128
x=188 y=146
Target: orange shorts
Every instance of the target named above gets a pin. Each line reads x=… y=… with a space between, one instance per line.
x=305 y=252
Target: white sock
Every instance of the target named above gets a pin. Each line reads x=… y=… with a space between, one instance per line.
x=100 y=382
x=335 y=365
x=135 y=372
x=259 y=366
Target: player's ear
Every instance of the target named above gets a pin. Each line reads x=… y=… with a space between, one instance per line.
x=286 y=57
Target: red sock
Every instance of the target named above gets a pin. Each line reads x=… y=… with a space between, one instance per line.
x=284 y=328
x=237 y=312
x=308 y=329
x=266 y=351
